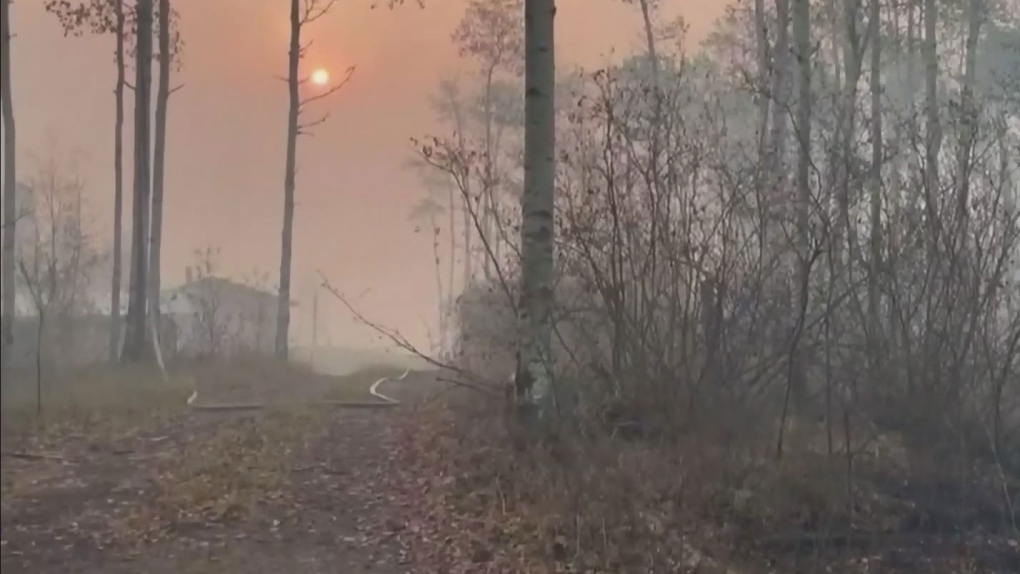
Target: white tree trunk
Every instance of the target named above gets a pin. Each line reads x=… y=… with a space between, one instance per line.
x=534 y=376
x=969 y=112
x=158 y=164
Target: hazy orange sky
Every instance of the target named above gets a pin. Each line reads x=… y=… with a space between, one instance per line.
x=225 y=150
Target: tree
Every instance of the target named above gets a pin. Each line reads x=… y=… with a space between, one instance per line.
x=875 y=179
x=450 y=106
x=427 y=212
x=57 y=259
x=457 y=158
x=533 y=378
x=764 y=74
x=797 y=385
x=166 y=59
x=490 y=32
x=117 y=272
x=10 y=175
x=781 y=89
x=933 y=126
x=135 y=337
x=111 y=17
x=301 y=13
x=968 y=116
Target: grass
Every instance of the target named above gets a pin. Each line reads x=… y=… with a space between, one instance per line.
x=102 y=404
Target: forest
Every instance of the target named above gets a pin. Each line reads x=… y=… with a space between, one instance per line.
x=747 y=304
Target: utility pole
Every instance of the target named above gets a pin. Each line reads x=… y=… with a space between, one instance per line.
x=315 y=323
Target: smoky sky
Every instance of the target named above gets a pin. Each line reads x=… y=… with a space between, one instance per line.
x=225 y=154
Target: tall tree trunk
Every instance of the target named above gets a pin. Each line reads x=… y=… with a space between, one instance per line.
x=534 y=373
x=912 y=89
x=875 y=191
x=969 y=118
x=659 y=226
x=118 y=186
x=777 y=196
x=158 y=162
x=135 y=336
x=764 y=77
x=781 y=88
x=287 y=239
x=452 y=264
x=468 y=232
x=10 y=178
x=434 y=228
x=797 y=390
x=488 y=204
x=653 y=53
x=933 y=128
x=845 y=237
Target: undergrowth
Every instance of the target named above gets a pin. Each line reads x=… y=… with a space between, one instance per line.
x=575 y=503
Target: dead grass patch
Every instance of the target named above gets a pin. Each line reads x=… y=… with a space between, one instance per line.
x=100 y=406
x=612 y=505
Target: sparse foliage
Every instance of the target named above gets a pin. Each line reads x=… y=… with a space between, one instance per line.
x=57 y=258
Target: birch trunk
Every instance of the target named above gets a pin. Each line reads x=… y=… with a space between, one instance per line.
x=534 y=373
x=158 y=163
x=969 y=112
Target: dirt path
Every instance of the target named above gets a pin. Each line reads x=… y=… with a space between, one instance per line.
x=329 y=512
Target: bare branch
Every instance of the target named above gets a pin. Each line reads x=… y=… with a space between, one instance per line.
x=304 y=129
x=315 y=9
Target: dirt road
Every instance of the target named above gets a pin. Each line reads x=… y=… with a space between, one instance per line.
x=142 y=508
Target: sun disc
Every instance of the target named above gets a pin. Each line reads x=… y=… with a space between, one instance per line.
x=320 y=77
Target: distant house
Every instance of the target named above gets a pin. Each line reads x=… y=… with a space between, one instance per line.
x=214 y=316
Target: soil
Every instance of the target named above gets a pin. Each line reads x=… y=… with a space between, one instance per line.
x=331 y=512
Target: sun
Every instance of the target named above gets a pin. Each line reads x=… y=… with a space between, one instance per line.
x=320 y=77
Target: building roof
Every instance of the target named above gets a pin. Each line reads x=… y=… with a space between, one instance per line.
x=175 y=300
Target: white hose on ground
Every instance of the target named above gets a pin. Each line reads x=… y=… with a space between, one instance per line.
x=373 y=390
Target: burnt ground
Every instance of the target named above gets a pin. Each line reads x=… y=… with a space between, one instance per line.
x=215 y=492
